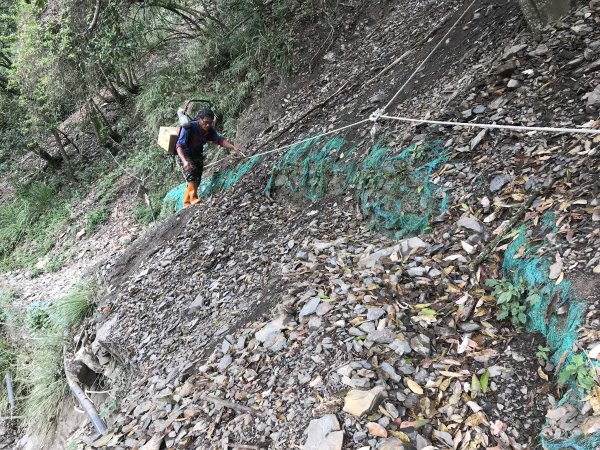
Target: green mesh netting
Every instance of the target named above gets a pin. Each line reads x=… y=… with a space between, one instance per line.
x=219 y=181
x=394 y=190
x=522 y=265
x=175 y=196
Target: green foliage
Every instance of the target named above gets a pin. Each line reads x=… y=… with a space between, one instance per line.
x=222 y=67
x=146 y=214
x=19 y=217
x=542 y=352
x=583 y=373
x=37 y=317
x=29 y=224
x=71 y=309
x=40 y=373
x=107 y=187
x=40 y=382
x=96 y=219
x=513 y=300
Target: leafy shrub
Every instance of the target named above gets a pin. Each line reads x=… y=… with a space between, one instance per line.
x=584 y=374
x=96 y=219
x=38 y=317
x=513 y=300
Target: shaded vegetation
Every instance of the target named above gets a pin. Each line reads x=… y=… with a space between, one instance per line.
x=36 y=365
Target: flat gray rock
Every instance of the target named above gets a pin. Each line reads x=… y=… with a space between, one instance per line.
x=324 y=434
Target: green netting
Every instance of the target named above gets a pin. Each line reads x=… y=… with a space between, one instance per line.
x=219 y=181
x=395 y=190
x=522 y=265
x=175 y=196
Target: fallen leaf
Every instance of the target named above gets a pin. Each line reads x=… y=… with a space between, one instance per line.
x=490 y=217
x=400 y=435
x=597 y=269
x=591 y=425
x=594 y=353
x=542 y=374
x=103 y=441
x=556 y=268
x=461 y=374
x=475 y=387
x=484 y=381
x=497 y=428
x=413 y=386
x=595 y=399
x=474 y=406
x=560 y=278
x=443 y=436
x=474 y=420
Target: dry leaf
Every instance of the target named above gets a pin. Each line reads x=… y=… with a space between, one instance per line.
x=474 y=406
x=595 y=399
x=461 y=374
x=594 y=353
x=413 y=386
x=542 y=374
x=473 y=420
x=560 y=278
x=400 y=435
x=556 y=268
x=475 y=387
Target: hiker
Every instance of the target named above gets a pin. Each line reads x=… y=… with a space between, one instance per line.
x=190 y=149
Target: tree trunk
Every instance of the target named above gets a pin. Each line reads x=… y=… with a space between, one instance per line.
x=107 y=136
x=63 y=153
x=541 y=12
x=52 y=161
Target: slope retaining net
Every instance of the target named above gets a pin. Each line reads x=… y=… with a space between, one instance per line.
x=394 y=190
x=523 y=265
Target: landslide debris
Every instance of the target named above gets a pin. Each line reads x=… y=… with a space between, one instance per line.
x=278 y=324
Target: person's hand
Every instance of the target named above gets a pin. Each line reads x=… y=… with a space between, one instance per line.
x=239 y=152
x=186 y=165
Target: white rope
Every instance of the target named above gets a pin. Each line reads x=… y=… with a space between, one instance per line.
x=295 y=143
x=495 y=126
x=378 y=113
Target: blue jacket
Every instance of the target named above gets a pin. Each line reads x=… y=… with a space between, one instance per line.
x=191 y=140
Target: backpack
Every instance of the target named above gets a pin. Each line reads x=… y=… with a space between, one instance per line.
x=168 y=136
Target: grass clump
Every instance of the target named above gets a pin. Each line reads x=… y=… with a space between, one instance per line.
x=95 y=219
x=30 y=223
x=37 y=364
x=40 y=374
x=71 y=309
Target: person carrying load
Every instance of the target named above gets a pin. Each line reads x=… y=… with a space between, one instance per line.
x=190 y=150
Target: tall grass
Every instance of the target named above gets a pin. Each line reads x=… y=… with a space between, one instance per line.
x=37 y=364
x=42 y=380
x=72 y=308
x=32 y=217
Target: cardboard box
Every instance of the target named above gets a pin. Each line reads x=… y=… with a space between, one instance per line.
x=167 y=138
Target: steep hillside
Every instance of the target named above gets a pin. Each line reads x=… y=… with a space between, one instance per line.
x=333 y=297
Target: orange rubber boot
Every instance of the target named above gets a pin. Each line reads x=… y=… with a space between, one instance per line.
x=194 y=193
x=186 y=195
